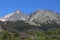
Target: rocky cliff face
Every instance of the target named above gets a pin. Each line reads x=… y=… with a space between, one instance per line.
x=40 y=16
x=43 y=16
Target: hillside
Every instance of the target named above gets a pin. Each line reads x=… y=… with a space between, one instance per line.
x=20 y=30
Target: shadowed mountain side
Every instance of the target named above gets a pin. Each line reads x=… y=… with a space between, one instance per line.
x=22 y=26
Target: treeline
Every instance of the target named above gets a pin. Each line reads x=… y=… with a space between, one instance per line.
x=21 y=25
x=20 y=30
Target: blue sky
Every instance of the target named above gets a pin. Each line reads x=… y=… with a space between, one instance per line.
x=28 y=6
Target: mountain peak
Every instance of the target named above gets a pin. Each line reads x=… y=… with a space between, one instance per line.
x=17 y=11
x=46 y=10
x=39 y=10
x=15 y=16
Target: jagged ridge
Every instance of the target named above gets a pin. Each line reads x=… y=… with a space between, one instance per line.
x=39 y=16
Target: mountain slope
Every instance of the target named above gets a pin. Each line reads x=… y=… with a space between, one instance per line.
x=43 y=16
x=40 y=16
x=15 y=16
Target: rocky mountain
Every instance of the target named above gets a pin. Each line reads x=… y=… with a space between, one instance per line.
x=37 y=17
x=21 y=29
x=15 y=16
x=43 y=16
